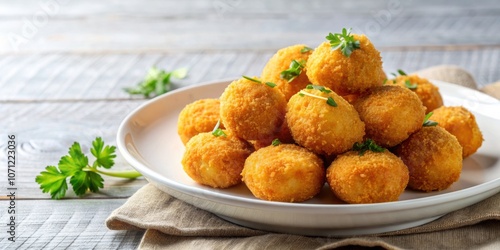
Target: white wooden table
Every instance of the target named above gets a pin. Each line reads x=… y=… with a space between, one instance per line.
x=63 y=65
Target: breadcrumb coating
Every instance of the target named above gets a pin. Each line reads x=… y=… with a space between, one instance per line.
x=391 y=114
x=427 y=92
x=355 y=74
x=461 y=123
x=197 y=117
x=433 y=157
x=286 y=172
x=251 y=110
x=215 y=161
x=321 y=128
x=369 y=178
x=280 y=62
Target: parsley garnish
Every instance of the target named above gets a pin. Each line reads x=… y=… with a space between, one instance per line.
x=369 y=144
x=427 y=122
x=82 y=176
x=293 y=71
x=156 y=82
x=306 y=49
x=345 y=41
x=218 y=131
x=269 y=84
x=318 y=87
x=330 y=101
x=410 y=86
x=276 y=142
x=400 y=72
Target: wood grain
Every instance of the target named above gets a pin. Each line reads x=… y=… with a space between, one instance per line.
x=69 y=224
x=45 y=131
x=66 y=77
x=240 y=25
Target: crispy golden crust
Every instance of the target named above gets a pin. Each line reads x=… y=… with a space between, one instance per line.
x=251 y=110
x=434 y=158
x=280 y=62
x=322 y=128
x=461 y=123
x=286 y=172
x=370 y=178
x=391 y=114
x=346 y=75
x=215 y=161
x=197 y=117
x=284 y=136
x=427 y=92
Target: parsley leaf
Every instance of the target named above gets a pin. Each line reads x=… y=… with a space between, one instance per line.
x=156 y=82
x=306 y=49
x=293 y=71
x=427 y=122
x=83 y=177
x=276 y=142
x=410 y=86
x=369 y=144
x=52 y=181
x=329 y=100
x=218 y=131
x=343 y=41
x=269 y=84
x=104 y=155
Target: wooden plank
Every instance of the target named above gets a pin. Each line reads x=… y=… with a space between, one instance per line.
x=67 y=77
x=45 y=131
x=243 y=25
x=205 y=9
x=66 y=224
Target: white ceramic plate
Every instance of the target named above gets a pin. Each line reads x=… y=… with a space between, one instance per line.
x=148 y=140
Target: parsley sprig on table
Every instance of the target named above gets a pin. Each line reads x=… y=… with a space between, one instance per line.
x=82 y=176
x=343 y=41
x=156 y=82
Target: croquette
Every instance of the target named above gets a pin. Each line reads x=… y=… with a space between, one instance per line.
x=355 y=74
x=390 y=113
x=283 y=61
x=215 y=161
x=252 y=110
x=285 y=172
x=320 y=127
x=427 y=92
x=368 y=178
x=197 y=117
x=461 y=123
x=433 y=157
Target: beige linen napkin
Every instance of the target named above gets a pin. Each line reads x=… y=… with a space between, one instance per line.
x=173 y=224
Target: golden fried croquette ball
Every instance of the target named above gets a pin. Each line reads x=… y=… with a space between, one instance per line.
x=215 y=161
x=355 y=74
x=286 y=172
x=427 y=92
x=197 y=117
x=390 y=113
x=461 y=123
x=252 y=110
x=320 y=127
x=369 y=178
x=282 y=61
x=433 y=157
